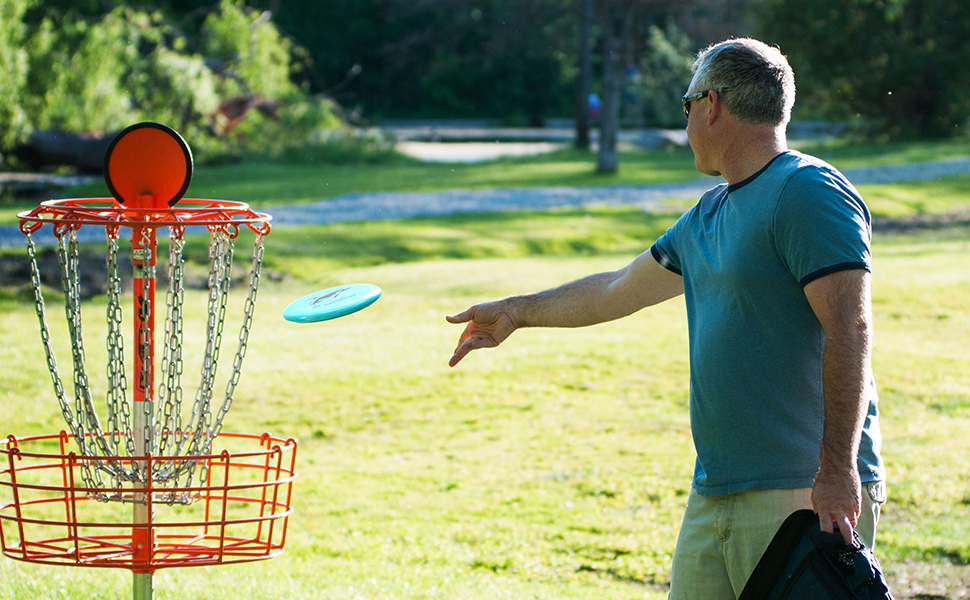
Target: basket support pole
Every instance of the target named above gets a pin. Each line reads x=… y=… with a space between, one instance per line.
x=143 y=259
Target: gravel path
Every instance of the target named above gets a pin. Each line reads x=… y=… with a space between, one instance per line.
x=397 y=205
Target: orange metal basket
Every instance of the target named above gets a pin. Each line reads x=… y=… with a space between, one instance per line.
x=240 y=514
x=71 y=213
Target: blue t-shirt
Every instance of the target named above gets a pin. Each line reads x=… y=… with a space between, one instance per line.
x=746 y=251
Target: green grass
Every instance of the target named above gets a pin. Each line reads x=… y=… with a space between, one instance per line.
x=933 y=197
x=308 y=250
x=845 y=154
x=267 y=184
x=554 y=467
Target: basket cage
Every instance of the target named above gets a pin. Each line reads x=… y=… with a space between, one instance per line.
x=60 y=494
x=47 y=515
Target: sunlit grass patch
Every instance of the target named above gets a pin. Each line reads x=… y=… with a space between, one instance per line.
x=554 y=467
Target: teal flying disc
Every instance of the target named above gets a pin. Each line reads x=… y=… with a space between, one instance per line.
x=332 y=303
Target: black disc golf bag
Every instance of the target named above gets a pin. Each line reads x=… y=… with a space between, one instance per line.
x=803 y=562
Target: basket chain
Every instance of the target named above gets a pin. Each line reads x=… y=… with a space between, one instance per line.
x=87 y=418
x=220 y=276
x=196 y=437
x=117 y=397
x=244 y=331
x=169 y=418
x=45 y=337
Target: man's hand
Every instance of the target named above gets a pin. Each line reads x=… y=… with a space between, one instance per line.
x=489 y=325
x=837 y=498
x=587 y=301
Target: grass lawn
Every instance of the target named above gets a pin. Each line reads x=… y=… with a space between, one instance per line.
x=267 y=184
x=555 y=467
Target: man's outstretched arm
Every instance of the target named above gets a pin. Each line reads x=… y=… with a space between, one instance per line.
x=593 y=299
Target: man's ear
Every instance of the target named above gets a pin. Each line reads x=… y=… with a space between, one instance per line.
x=717 y=106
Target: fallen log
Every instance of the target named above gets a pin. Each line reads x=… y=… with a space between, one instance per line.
x=47 y=149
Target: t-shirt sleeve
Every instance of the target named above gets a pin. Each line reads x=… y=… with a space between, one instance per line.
x=664 y=252
x=822 y=226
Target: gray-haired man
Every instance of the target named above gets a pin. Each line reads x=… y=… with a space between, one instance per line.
x=775 y=269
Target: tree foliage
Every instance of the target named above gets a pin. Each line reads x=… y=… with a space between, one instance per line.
x=98 y=65
x=896 y=66
x=82 y=73
x=664 y=75
x=506 y=59
x=101 y=76
x=13 y=70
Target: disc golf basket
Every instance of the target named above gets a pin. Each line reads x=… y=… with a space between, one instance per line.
x=192 y=503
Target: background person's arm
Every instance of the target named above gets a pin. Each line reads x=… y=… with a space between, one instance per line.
x=841 y=302
x=593 y=299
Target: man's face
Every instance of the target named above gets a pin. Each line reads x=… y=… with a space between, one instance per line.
x=696 y=126
x=699 y=133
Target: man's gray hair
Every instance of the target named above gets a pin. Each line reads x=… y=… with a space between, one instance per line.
x=760 y=80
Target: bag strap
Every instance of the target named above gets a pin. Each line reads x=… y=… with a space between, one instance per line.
x=778 y=553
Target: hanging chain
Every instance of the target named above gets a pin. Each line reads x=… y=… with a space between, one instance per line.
x=247 y=325
x=45 y=338
x=88 y=425
x=117 y=395
x=220 y=275
x=169 y=418
x=119 y=410
x=144 y=348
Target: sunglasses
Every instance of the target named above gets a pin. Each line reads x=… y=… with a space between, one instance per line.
x=699 y=95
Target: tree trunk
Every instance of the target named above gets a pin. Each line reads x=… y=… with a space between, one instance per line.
x=584 y=84
x=608 y=159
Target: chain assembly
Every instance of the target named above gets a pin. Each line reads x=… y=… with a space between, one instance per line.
x=169 y=428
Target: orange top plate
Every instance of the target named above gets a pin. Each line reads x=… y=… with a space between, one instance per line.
x=148 y=158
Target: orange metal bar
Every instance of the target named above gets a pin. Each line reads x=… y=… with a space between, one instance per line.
x=108 y=213
x=16 y=492
x=225 y=502
x=289 y=490
x=68 y=480
x=143 y=259
x=72 y=506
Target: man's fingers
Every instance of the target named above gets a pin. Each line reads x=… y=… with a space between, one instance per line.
x=457 y=356
x=845 y=528
x=462 y=317
x=829 y=522
x=466 y=345
x=487 y=325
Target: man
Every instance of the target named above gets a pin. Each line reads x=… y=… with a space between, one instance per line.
x=775 y=269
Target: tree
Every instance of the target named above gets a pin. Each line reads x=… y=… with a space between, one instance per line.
x=896 y=67
x=621 y=22
x=584 y=79
x=13 y=66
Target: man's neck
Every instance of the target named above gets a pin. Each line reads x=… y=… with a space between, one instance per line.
x=750 y=149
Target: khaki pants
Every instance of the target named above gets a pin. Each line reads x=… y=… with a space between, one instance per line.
x=723 y=537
